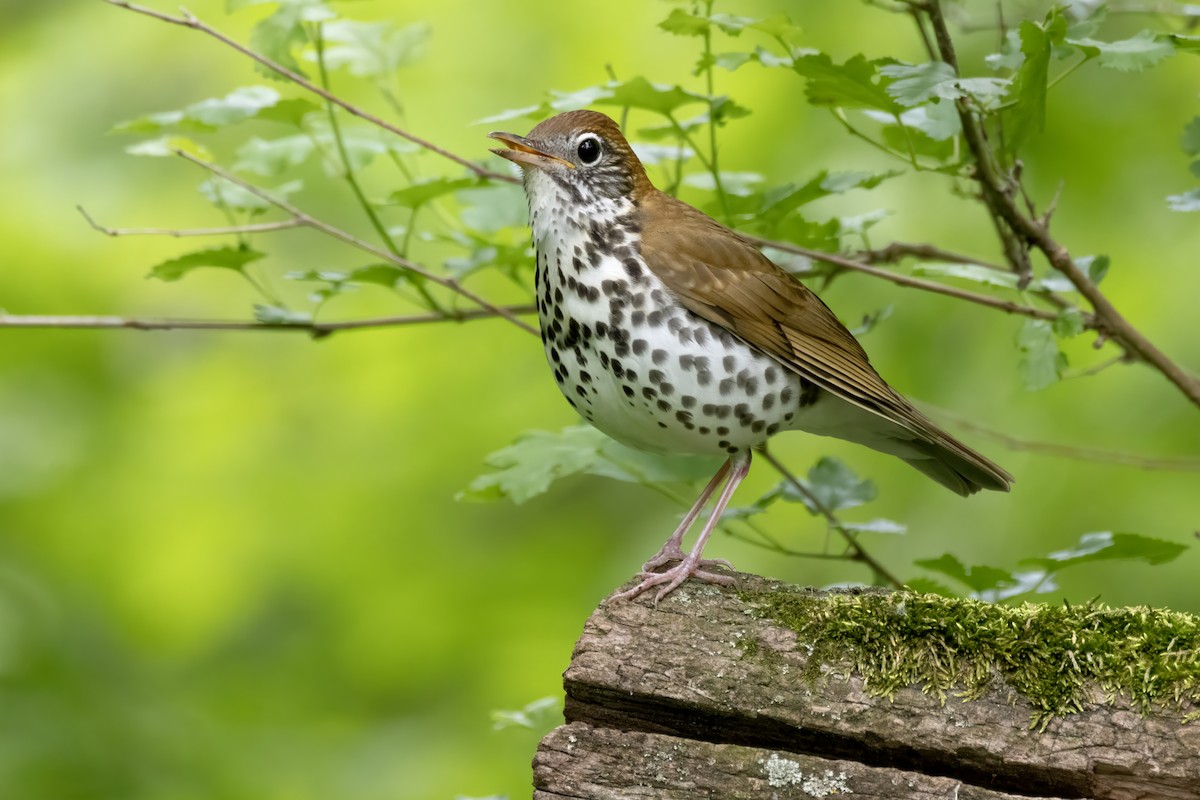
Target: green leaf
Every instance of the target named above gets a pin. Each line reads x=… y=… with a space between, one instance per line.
x=1096 y=267
x=1190 y=140
x=930 y=586
x=537 y=459
x=275 y=315
x=206 y=115
x=1028 y=116
x=977 y=578
x=835 y=485
x=886 y=526
x=1188 y=201
x=224 y=193
x=855 y=84
x=234 y=258
x=975 y=273
x=1109 y=546
x=640 y=93
x=167 y=146
x=418 y=194
x=778 y=27
x=290 y=111
x=540 y=715
x=1145 y=49
x=914 y=84
x=738 y=184
x=274 y=156
x=681 y=23
x=1042 y=363
x=279 y=35
x=1068 y=323
x=373 y=49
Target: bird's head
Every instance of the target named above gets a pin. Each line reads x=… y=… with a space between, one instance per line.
x=580 y=151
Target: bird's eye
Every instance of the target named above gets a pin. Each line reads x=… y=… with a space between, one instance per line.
x=589 y=150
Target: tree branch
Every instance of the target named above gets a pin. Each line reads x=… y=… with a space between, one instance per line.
x=858 y=552
x=188 y=20
x=259 y=227
x=997 y=193
x=354 y=241
x=316 y=329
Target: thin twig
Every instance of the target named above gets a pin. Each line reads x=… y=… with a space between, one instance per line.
x=998 y=195
x=354 y=241
x=859 y=553
x=258 y=227
x=188 y=20
x=1169 y=463
x=915 y=283
x=316 y=329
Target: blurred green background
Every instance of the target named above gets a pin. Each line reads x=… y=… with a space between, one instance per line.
x=232 y=565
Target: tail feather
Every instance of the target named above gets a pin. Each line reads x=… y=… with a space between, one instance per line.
x=957 y=467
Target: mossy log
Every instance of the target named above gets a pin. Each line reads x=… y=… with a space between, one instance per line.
x=764 y=690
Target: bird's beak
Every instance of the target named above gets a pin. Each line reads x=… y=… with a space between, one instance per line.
x=518 y=150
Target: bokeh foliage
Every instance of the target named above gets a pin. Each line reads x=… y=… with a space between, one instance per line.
x=233 y=565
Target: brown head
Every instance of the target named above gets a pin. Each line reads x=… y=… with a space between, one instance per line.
x=583 y=150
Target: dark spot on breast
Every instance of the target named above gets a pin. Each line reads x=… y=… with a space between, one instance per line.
x=729 y=362
x=663 y=405
x=632 y=268
x=809 y=393
x=666 y=389
x=688 y=401
x=640 y=346
x=659 y=356
x=657 y=376
x=649 y=393
x=704 y=377
x=628 y=390
x=725 y=387
x=757 y=426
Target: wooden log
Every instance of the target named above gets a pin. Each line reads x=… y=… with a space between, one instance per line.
x=715 y=693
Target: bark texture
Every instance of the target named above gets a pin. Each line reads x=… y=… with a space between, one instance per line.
x=700 y=697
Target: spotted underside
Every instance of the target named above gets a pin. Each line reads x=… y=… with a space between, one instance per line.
x=636 y=363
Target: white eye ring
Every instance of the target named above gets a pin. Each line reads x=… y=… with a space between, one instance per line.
x=589 y=148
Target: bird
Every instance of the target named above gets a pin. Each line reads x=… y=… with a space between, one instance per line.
x=674 y=334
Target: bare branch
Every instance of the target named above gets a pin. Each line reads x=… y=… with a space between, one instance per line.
x=188 y=20
x=858 y=553
x=258 y=227
x=1169 y=463
x=1006 y=306
x=352 y=240
x=314 y=328
x=998 y=194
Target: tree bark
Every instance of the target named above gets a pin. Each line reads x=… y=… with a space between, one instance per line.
x=699 y=697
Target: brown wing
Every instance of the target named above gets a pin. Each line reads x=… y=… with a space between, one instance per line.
x=726 y=280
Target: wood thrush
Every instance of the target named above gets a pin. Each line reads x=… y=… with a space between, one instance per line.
x=671 y=333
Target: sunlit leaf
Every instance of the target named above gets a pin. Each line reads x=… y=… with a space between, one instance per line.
x=681 y=23
x=273 y=157
x=913 y=84
x=224 y=193
x=1188 y=201
x=234 y=258
x=1109 y=546
x=1145 y=49
x=976 y=273
x=886 y=526
x=240 y=104
x=373 y=49
x=169 y=146
x=275 y=315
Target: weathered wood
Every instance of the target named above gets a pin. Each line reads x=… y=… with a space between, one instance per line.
x=694 y=697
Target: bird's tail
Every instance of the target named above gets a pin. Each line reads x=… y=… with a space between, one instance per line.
x=954 y=465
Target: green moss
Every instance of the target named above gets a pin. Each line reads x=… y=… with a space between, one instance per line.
x=1053 y=655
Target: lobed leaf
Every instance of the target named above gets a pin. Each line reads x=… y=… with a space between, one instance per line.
x=1042 y=363
x=234 y=258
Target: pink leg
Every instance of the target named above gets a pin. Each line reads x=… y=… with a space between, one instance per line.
x=673 y=550
x=691 y=565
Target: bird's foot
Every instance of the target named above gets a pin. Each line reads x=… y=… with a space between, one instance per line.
x=672 y=578
x=671 y=553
